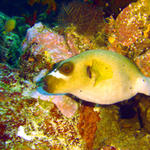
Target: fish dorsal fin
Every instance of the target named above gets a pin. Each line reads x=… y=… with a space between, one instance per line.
x=101 y=71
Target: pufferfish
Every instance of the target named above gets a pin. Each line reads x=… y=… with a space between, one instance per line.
x=98 y=76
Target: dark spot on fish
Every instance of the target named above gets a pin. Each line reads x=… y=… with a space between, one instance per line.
x=88 y=70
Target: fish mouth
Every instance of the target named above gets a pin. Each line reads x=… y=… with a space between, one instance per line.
x=40 y=83
x=49 y=84
x=47 y=87
x=52 y=84
x=43 y=92
x=43 y=85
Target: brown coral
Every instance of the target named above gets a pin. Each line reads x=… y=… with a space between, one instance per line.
x=87 y=18
x=144 y=108
x=143 y=62
x=88 y=124
x=129 y=27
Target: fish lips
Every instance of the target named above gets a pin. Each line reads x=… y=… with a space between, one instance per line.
x=45 y=84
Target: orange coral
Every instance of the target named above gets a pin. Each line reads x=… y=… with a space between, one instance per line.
x=128 y=32
x=143 y=62
x=88 y=124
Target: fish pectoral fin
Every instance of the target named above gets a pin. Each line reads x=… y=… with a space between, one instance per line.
x=100 y=71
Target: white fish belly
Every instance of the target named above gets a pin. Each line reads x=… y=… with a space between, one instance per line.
x=109 y=91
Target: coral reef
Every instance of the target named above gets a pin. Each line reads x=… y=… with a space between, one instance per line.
x=42 y=48
x=33 y=121
x=119 y=133
x=88 y=124
x=51 y=42
x=144 y=108
x=10 y=48
x=78 y=42
x=129 y=33
x=28 y=122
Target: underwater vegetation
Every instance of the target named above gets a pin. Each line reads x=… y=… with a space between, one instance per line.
x=49 y=7
x=12 y=32
x=30 y=120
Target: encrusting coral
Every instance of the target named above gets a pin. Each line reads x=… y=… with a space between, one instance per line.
x=129 y=33
x=88 y=124
x=28 y=122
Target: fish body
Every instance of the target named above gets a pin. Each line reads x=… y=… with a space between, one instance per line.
x=98 y=76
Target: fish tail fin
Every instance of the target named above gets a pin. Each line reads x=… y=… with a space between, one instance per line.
x=143 y=85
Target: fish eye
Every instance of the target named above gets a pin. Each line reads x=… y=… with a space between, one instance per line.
x=66 y=68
